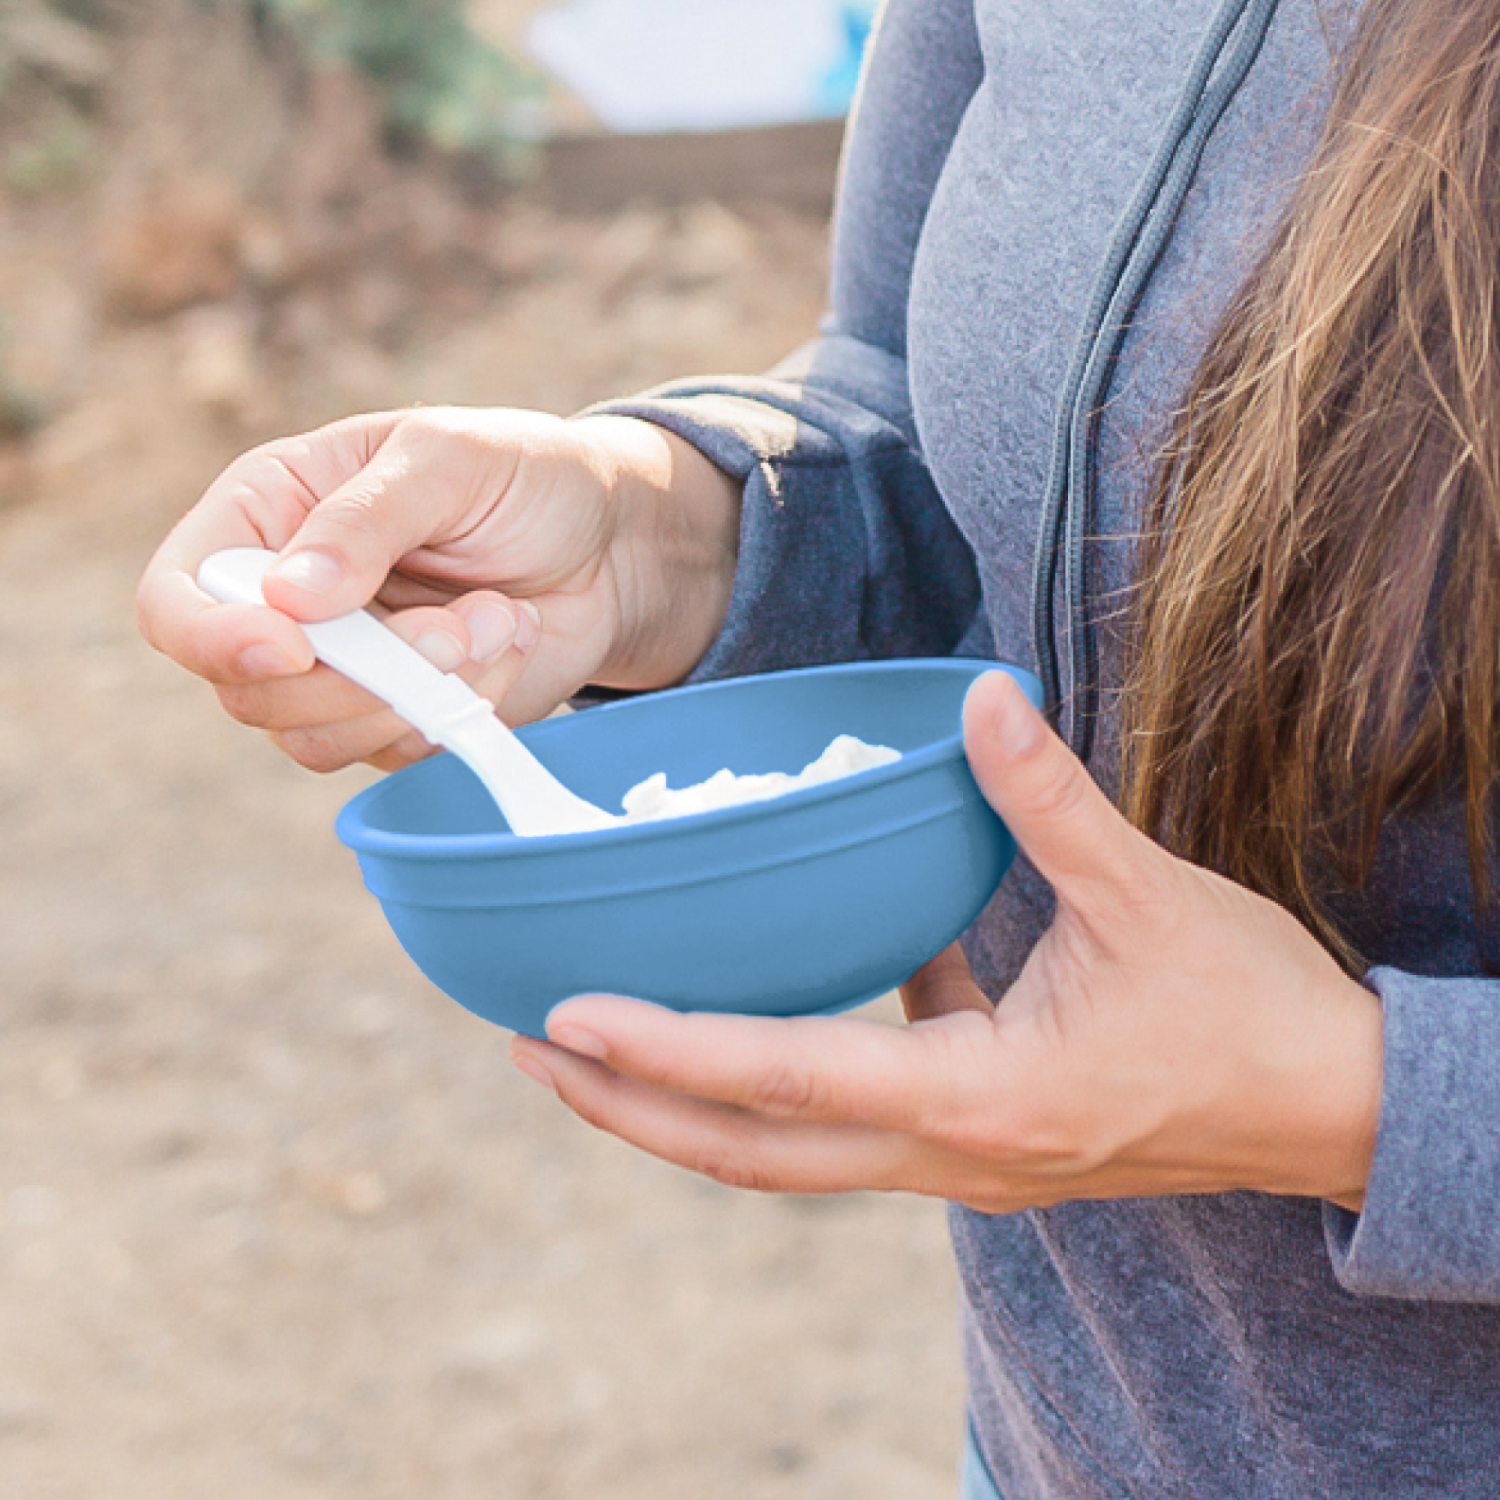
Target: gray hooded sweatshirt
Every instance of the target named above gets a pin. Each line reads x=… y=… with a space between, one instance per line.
x=895 y=473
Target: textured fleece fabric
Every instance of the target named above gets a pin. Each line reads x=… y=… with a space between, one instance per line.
x=1211 y=1346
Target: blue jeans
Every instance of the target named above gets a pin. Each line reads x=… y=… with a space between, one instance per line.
x=977 y=1484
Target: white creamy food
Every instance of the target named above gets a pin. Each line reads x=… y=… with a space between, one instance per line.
x=654 y=799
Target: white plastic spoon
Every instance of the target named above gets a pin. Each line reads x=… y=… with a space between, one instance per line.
x=442 y=707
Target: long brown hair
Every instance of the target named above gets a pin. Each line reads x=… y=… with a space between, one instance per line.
x=1315 y=638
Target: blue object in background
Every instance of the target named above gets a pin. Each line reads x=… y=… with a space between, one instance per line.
x=805 y=904
x=842 y=81
x=647 y=66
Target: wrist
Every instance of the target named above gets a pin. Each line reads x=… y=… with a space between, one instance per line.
x=672 y=554
x=1344 y=1095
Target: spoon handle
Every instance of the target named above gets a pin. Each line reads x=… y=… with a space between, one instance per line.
x=442 y=707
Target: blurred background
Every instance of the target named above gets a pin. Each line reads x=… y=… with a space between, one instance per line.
x=276 y=1218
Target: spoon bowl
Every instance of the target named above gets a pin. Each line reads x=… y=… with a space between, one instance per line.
x=805 y=904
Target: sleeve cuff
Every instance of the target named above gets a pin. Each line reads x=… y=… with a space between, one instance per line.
x=1430 y=1227
x=847 y=552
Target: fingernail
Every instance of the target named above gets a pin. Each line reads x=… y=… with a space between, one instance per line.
x=1018 y=726
x=313 y=572
x=577 y=1039
x=441 y=649
x=266 y=661
x=528 y=625
x=532 y=1066
x=492 y=628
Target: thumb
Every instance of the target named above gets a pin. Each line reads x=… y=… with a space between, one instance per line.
x=1070 y=830
x=352 y=538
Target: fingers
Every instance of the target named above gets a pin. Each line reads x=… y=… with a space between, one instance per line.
x=236 y=643
x=319 y=696
x=416 y=489
x=818 y=1071
x=325 y=722
x=1069 y=829
x=942 y=988
x=373 y=739
x=729 y=1145
x=222 y=643
x=470 y=637
x=260 y=500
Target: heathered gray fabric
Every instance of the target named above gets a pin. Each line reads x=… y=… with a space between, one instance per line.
x=1240 y=1345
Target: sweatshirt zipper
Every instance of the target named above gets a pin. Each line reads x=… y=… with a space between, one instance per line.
x=1235 y=39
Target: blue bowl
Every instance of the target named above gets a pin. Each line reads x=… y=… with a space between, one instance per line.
x=807 y=904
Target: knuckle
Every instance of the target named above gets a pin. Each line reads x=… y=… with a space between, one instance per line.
x=1060 y=791
x=406 y=751
x=267 y=467
x=343 y=523
x=958 y=1117
x=735 y=1168
x=422 y=422
x=254 y=463
x=316 y=750
x=273 y=451
x=245 y=705
x=592 y=1106
x=429 y=437
x=789 y=1088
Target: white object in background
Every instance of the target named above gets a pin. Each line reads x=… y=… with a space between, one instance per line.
x=650 y=66
x=444 y=708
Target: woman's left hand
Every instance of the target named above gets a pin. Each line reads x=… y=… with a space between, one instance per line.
x=1171 y=1033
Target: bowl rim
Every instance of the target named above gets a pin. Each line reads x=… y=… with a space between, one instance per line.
x=360 y=836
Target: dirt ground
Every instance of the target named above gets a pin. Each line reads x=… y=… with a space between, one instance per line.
x=276 y=1218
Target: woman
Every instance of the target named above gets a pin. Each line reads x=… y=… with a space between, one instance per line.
x=1163 y=346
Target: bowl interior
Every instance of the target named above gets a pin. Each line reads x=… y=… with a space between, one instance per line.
x=777 y=722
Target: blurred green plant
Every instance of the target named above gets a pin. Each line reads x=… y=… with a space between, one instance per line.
x=51 y=63
x=438 y=80
x=22 y=411
x=57 y=150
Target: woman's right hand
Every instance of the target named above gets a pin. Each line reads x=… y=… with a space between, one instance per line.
x=532 y=555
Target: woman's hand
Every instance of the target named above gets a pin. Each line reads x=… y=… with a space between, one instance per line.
x=1171 y=1033
x=530 y=554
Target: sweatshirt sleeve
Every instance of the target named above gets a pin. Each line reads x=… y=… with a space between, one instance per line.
x=1430 y=1227
x=847 y=552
